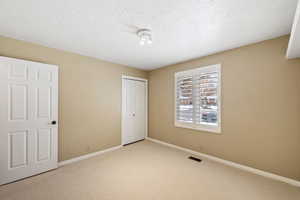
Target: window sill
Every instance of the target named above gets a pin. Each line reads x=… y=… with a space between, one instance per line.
x=206 y=128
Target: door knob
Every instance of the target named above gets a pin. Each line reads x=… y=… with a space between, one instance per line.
x=133 y=114
x=53 y=122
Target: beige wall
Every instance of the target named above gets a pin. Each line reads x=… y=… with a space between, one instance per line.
x=260 y=108
x=260 y=104
x=90 y=96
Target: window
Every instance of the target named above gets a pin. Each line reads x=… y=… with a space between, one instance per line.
x=197 y=99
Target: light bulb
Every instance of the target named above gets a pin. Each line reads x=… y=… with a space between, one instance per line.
x=145 y=36
x=142 y=42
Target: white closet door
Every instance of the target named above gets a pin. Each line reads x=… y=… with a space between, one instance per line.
x=129 y=129
x=140 y=111
x=29 y=106
x=134 y=118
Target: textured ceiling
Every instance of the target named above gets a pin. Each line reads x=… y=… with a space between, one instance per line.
x=182 y=30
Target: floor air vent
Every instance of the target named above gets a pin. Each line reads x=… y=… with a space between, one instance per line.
x=195 y=159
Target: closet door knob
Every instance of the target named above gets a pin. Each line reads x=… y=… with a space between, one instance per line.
x=133 y=114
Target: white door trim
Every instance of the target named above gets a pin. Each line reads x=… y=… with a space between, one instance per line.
x=134 y=78
x=124 y=77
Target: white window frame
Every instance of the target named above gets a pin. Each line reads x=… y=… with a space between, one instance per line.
x=200 y=127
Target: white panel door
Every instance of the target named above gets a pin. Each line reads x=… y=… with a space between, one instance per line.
x=134 y=119
x=28 y=118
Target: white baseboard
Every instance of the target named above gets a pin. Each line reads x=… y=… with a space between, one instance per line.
x=66 y=162
x=232 y=164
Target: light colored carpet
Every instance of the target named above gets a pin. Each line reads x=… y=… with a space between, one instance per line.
x=145 y=171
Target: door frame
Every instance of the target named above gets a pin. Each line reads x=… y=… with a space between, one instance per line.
x=125 y=77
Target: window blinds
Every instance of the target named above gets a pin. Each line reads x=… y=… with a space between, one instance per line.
x=197 y=96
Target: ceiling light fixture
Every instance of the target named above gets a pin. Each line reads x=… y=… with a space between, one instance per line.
x=145 y=36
